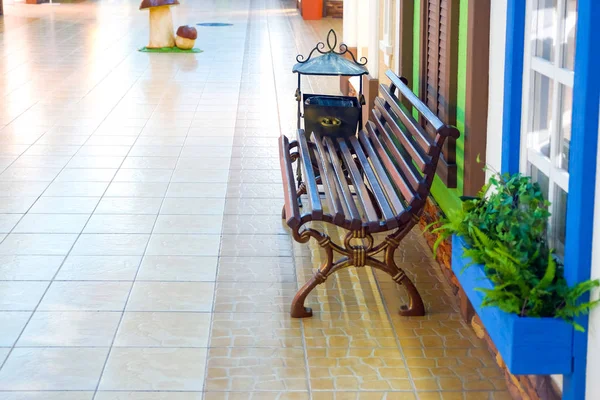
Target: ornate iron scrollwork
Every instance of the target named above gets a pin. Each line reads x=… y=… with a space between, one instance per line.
x=332 y=41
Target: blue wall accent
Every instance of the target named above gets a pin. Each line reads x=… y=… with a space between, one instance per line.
x=582 y=171
x=524 y=343
x=513 y=85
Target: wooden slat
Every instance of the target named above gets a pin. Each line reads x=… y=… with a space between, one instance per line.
x=310 y=180
x=382 y=173
x=329 y=182
x=292 y=211
x=395 y=174
x=407 y=140
x=406 y=118
x=352 y=212
x=403 y=160
x=384 y=192
x=359 y=185
x=429 y=116
x=377 y=179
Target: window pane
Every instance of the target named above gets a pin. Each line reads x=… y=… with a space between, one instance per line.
x=559 y=220
x=570 y=34
x=539 y=177
x=541 y=126
x=566 y=108
x=544 y=35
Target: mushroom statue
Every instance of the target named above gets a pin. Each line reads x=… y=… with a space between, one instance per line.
x=186 y=37
x=161 y=22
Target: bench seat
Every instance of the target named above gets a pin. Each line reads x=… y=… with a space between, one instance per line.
x=375 y=181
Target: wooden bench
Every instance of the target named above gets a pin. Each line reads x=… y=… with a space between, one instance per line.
x=376 y=181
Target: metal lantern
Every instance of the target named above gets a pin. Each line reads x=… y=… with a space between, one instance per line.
x=325 y=114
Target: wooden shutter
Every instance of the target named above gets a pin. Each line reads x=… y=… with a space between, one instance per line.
x=439 y=70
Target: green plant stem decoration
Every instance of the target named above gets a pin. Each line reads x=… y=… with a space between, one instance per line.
x=505 y=227
x=169 y=50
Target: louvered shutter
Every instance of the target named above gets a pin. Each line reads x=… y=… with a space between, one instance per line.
x=439 y=59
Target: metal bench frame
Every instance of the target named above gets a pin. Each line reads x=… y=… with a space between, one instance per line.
x=377 y=181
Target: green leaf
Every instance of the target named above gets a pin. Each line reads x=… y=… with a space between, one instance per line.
x=506 y=227
x=550 y=273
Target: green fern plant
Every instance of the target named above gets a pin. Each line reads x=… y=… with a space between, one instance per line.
x=505 y=227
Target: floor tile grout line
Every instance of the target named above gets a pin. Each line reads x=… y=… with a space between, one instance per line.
x=138 y=255
x=90 y=215
x=36 y=103
x=293 y=253
x=374 y=392
x=65 y=255
x=214 y=298
x=202 y=347
x=64 y=79
x=142 y=256
x=145 y=250
x=302 y=327
x=181 y=312
x=475 y=391
x=141 y=280
x=396 y=338
x=70 y=158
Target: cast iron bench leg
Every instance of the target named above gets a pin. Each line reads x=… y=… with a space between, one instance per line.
x=358 y=256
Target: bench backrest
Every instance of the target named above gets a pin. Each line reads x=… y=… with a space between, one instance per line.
x=405 y=148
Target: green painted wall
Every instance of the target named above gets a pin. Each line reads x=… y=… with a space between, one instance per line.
x=448 y=198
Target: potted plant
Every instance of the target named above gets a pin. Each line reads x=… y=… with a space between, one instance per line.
x=515 y=282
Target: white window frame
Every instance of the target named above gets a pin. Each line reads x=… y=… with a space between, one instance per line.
x=560 y=76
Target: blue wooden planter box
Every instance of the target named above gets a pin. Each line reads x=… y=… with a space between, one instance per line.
x=529 y=346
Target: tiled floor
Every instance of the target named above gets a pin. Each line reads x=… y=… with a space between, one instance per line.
x=142 y=255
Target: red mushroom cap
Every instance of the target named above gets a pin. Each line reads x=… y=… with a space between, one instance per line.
x=187 y=32
x=157 y=3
